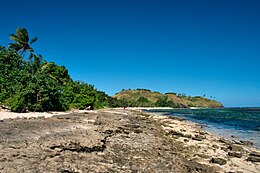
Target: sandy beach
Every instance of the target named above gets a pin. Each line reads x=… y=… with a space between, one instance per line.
x=12 y=115
x=116 y=140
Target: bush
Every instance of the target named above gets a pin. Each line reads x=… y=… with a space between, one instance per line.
x=17 y=103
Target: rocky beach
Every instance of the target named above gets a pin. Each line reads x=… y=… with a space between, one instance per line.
x=115 y=140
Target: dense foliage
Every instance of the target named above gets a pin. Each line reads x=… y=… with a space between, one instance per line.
x=37 y=85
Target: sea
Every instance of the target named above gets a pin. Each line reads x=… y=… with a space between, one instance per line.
x=243 y=123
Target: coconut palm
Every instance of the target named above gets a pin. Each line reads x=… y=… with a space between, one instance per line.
x=22 y=41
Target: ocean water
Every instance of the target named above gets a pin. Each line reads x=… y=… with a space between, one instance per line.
x=243 y=123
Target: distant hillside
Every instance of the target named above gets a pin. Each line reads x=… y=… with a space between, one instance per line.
x=147 y=98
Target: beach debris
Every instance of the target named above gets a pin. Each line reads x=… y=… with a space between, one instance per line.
x=88 y=108
x=4 y=107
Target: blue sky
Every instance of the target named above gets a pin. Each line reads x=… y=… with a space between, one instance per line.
x=185 y=46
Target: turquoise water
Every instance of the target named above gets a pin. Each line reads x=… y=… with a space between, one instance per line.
x=241 y=122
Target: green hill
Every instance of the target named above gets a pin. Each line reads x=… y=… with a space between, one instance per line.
x=147 y=98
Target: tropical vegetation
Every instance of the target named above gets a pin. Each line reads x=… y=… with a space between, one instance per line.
x=30 y=83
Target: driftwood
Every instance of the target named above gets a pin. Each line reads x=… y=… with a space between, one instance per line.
x=88 y=108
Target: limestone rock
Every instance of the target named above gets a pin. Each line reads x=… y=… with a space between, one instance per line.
x=234 y=147
x=235 y=154
x=219 y=161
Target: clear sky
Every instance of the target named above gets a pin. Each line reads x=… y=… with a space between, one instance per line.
x=195 y=47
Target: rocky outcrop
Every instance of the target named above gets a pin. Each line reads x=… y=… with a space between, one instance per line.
x=219 y=161
x=91 y=142
x=254 y=156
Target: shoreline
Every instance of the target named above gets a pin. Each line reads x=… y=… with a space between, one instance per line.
x=232 y=134
x=207 y=146
x=181 y=143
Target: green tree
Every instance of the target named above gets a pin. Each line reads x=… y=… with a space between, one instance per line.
x=143 y=100
x=38 y=85
x=78 y=95
x=22 y=41
x=13 y=73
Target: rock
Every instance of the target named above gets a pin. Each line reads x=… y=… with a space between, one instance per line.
x=138 y=131
x=223 y=140
x=55 y=145
x=187 y=135
x=219 y=161
x=224 y=149
x=202 y=133
x=186 y=140
x=203 y=156
x=108 y=132
x=235 y=154
x=248 y=143
x=198 y=138
x=175 y=118
x=176 y=133
x=194 y=166
x=234 y=147
x=233 y=136
x=253 y=159
x=215 y=146
x=254 y=153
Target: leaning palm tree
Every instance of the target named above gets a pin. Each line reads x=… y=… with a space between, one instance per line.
x=22 y=41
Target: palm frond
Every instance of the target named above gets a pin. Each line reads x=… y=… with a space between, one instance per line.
x=23 y=51
x=30 y=57
x=40 y=58
x=33 y=40
x=30 y=49
x=14 y=37
x=22 y=34
x=15 y=46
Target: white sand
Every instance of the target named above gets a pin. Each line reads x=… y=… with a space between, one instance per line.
x=7 y=114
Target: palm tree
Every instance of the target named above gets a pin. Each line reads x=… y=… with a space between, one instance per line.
x=22 y=41
x=36 y=62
